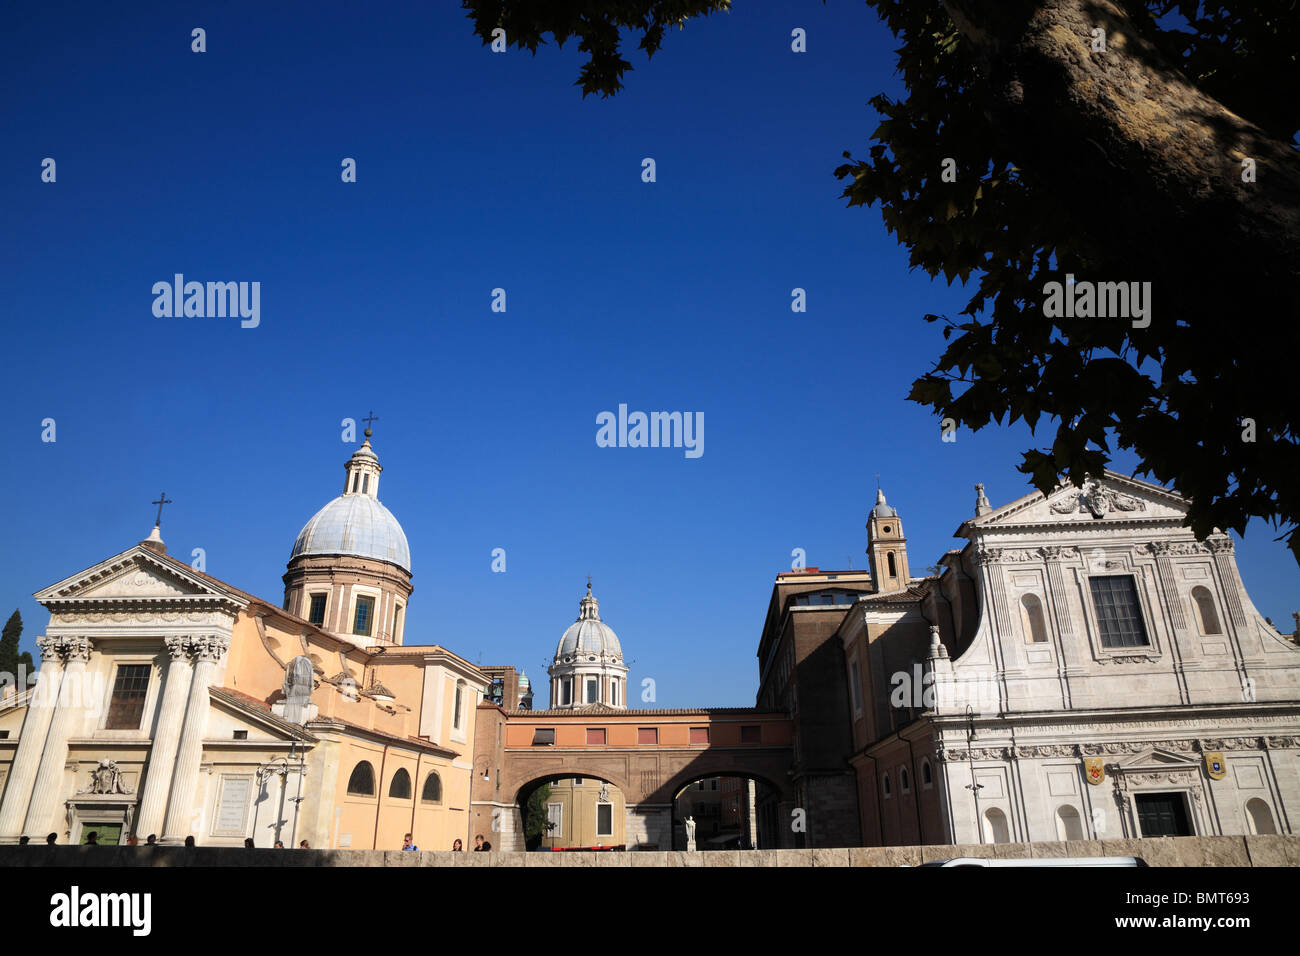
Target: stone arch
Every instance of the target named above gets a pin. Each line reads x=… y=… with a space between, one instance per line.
x=767 y=793
x=1069 y=826
x=1033 y=619
x=1206 y=614
x=1259 y=816
x=679 y=781
x=995 y=826
x=521 y=786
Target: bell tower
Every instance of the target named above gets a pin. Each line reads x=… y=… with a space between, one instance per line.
x=887 y=547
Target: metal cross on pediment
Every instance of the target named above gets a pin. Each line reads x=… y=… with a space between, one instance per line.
x=162 y=500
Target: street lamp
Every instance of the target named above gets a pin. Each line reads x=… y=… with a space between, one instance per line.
x=973 y=787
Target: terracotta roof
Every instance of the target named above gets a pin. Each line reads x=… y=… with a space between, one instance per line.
x=404 y=741
x=912 y=594
x=244 y=702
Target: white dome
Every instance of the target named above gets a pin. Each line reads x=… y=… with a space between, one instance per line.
x=357 y=525
x=588 y=637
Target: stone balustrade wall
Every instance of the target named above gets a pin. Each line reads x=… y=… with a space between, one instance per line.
x=1167 y=851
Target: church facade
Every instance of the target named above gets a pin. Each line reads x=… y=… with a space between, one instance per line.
x=1082 y=668
x=173 y=704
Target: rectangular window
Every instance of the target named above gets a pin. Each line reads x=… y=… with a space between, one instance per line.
x=613 y=693
x=544 y=737
x=555 y=817
x=752 y=734
x=365 y=616
x=127 y=704
x=397 y=623
x=604 y=819
x=699 y=735
x=317 y=613
x=593 y=693
x=241 y=735
x=595 y=736
x=647 y=735
x=566 y=692
x=455 y=720
x=1119 y=616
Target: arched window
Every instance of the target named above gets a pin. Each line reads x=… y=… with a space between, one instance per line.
x=362 y=781
x=400 y=788
x=1259 y=817
x=927 y=775
x=1031 y=615
x=893 y=571
x=884 y=783
x=903 y=780
x=432 y=792
x=1205 y=611
x=995 y=826
x=1068 y=824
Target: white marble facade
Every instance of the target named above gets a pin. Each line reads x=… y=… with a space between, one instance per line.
x=77 y=759
x=1119 y=680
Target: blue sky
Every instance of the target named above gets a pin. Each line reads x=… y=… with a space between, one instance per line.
x=475 y=171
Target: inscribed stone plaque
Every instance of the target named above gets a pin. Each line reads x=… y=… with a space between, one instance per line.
x=234 y=804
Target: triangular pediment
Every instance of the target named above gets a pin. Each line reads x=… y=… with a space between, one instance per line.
x=1156 y=758
x=138 y=574
x=1113 y=498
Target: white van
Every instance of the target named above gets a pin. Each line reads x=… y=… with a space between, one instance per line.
x=1044 y=861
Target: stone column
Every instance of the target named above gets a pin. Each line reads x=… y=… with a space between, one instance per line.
x=31 y=742
x=207 y=652
x=752 y=810
x=47 y=794
x=162 y=755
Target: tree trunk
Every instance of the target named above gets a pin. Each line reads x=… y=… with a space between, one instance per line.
x=1150 y=165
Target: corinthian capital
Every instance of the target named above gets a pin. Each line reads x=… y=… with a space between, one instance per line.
x=209 y=647
x=49 y=648
x=1219 y=545
x=177 y=647
x=75 y=649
